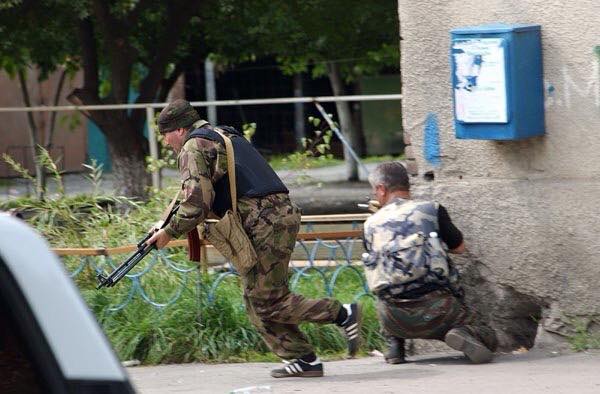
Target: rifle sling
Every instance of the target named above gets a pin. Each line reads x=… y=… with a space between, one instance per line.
x=167 y=211
x=194 y=252
x=230 y=169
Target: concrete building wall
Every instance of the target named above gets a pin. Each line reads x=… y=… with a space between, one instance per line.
x=529 y=209
x=70 y=135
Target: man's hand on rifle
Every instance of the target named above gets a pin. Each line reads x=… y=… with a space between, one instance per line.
x=161 y=238
x=157 y=226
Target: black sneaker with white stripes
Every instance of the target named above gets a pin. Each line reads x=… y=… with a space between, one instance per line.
x=351 y=327
x=299 y=368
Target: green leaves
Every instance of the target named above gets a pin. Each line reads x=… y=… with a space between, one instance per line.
x=7 y=4
x=17 y=167
x=168 y=158
x=52 y=166
x=314 y=121
x=94 y=175
x=249 y=129
x=36 y=35
x=304 y=35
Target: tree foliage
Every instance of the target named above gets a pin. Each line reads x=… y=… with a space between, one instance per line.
x=34 y=36
x=305 y=35
x=119 y=45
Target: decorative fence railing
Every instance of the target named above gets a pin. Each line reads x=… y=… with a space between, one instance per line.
x=325 y=254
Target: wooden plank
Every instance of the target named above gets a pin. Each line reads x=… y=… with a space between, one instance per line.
x=329 y=235
x=313 y=236
x=79 y=251
x=321 y=263
x=298 y=264
x=343 y=217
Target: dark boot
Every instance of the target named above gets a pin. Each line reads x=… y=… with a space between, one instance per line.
x=396 y=353
x=463 y=340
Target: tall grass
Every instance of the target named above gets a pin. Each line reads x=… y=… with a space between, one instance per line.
x=192 y=329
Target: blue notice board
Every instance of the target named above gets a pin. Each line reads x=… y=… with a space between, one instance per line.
x=497 y=82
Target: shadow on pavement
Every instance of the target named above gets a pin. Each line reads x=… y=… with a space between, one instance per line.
x=458 y=359
x=400 y=373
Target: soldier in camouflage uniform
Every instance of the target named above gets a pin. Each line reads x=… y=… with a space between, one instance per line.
x=271 y=222
x=418 y=290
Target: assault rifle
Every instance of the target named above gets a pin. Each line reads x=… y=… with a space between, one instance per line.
x=140 y=253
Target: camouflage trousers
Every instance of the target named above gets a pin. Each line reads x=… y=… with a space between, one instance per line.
x=272 y=226
x=431 y=317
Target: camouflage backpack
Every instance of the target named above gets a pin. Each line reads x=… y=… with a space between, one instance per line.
x=404 y=249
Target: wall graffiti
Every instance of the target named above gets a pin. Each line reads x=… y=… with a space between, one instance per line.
x=571 y=89
x=431 y=140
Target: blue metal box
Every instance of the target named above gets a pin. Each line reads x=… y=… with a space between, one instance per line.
x=497 y=82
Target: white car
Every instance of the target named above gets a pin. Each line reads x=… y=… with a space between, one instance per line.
x=49 y=340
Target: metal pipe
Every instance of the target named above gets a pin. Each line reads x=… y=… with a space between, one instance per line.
x=211 y=90
x=281 y=100
x=334 y=128
x=153 y=146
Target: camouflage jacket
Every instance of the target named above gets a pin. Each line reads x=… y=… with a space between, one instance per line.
x=402 y=257
x=201 y=164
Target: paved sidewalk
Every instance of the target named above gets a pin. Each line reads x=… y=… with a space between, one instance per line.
x=532 y=372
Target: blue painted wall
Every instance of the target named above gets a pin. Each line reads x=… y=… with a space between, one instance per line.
x=97 y=147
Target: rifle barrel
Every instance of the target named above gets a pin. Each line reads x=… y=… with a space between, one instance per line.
x=125 y=267
x=139 y=254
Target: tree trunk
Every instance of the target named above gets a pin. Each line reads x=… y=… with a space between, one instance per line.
x=52 y=124
x=128 y=151
x=346 y=123
x=40 y=174
x=299 y=120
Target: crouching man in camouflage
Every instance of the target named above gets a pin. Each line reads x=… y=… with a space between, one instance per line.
x=407 y=267
x=271 y=222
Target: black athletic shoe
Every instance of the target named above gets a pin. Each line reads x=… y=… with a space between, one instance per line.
x=396 y=353
x=461 y=339
x=351 y=327
x=299 y=368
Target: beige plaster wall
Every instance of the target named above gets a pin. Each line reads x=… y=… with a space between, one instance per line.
x=529 y=209
x=70 y=138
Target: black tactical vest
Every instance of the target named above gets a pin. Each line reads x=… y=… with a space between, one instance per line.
x=254 y=176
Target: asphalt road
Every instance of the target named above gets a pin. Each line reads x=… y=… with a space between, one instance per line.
x=531 y=372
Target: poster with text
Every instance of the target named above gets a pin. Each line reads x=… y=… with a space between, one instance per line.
x=480 y=80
